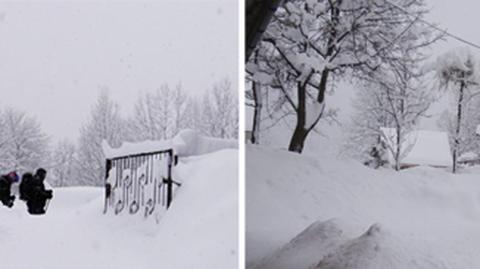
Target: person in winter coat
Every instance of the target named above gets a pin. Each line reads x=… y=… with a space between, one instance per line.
x=6 y=182
x=25 y=188
x=36 y=193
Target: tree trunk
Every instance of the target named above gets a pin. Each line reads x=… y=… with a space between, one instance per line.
x=297 y=141
x=400 y=123
x=257 y=112
x=257 y=99
x=398 y=149
x=456 y=144
x=301 y=132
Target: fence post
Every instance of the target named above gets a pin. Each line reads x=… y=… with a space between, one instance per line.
x=108 y=166
x=169 y=179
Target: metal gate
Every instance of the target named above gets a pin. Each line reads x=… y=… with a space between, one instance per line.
x=140 y=183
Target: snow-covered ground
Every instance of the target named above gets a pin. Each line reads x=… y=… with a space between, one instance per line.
x=357 y=217
x=200 y=230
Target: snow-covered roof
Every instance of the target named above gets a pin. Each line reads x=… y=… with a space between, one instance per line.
x=185 y=143
x=422 y=147
x=468 y=156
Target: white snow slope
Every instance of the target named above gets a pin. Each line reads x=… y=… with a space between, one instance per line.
x=358 y=218
x=198 y=231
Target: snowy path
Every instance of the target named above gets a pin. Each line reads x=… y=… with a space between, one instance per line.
x=199 y=231
x=428 y=218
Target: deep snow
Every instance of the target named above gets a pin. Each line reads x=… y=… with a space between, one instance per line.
x=200 y=230
x=358 y=218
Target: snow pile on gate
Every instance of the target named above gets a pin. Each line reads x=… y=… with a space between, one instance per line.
x=186 y=143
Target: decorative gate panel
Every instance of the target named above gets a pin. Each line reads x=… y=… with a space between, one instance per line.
x=140 y=183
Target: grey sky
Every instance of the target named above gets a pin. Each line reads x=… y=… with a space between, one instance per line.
x=54 y=57
x=458 y=17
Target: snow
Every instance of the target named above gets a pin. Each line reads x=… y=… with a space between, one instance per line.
x=128 y=148
x=461 y=59
x=198 y=231
x=359 y=218
x=191 y=143
x=186 y=143
x=313 y=112
x=468 y=156
x=421 y=147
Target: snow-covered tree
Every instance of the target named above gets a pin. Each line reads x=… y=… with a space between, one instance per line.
x=64 y=164
x=23 y=143
x=396 y=100
x=104 y=124
x=313 y=43
x=458 y=72
x=158 y=115
x=193 y=114
x=220 y=111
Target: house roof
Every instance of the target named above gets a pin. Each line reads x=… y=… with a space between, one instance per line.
x=422 y=147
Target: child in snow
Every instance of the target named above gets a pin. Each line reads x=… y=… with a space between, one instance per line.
x=6 y=182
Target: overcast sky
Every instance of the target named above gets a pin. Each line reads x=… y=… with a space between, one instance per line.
x=54 y=57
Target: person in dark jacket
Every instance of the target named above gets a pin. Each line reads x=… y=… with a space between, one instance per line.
x=25 y=188
x=6 y=182
x=35 y=192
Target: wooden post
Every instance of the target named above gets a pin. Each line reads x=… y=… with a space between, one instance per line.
x=169 y=179
x=108 y=166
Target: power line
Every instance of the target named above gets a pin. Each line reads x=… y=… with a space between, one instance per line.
x=434 y=26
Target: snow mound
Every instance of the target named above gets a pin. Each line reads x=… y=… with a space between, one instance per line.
x=305 y=249
x=375 y=249
x=429 y=216
x=186 y=143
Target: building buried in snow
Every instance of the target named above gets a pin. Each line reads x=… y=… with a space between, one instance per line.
x=420 y=148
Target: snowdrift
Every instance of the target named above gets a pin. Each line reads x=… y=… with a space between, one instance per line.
x=416 y=218
x=198 y=231
x=304 y=250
